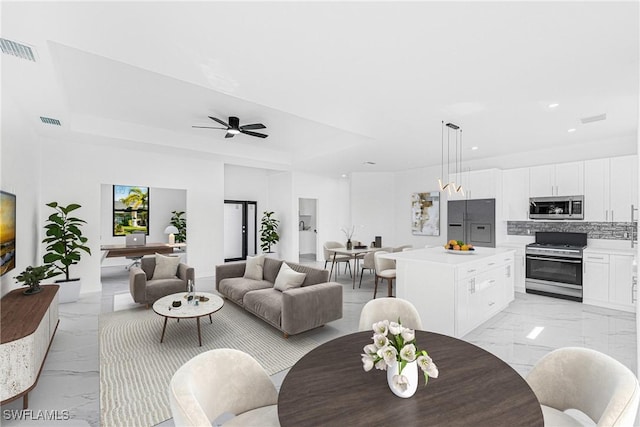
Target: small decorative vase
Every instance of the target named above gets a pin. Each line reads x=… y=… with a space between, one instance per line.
x=349 y=245
x=410 y=371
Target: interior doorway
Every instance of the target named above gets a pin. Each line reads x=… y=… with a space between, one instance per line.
x=307 y=229
x=240 y=229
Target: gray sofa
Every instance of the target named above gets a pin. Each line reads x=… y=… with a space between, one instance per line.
x=293 y=311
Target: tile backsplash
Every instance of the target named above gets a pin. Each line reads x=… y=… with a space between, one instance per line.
x=594 y=230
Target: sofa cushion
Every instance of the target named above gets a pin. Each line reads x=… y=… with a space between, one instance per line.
x=253 y=268
x=166 y=267
x=288 y=278
x=266 y=303
x=271 y=269
x=314 y=275
x=235 y=288
x=159 y=288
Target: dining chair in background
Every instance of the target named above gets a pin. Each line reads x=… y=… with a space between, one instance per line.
x=367 y=262
x=580 y=378
x=402 y=248
x=390 y=309
x=200 y=391
x=385 y=269
x=328 y=256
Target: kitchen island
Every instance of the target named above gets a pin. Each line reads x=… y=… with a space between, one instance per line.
x=455 y=292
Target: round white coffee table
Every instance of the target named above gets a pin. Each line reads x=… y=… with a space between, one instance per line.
x=207 y=305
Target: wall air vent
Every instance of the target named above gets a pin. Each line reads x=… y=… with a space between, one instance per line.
x=17 y=49
x=592 y=119
x=50 y=121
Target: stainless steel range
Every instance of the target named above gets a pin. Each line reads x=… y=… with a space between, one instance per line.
x=554 y=265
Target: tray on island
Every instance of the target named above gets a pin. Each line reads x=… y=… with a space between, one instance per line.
x=453 y=251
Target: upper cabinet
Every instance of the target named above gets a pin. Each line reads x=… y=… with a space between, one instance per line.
x=515 y=191
x=563 y=179
x=611 y=187
x=482 y=184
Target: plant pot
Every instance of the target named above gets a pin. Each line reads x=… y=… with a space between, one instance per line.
x=69 y=290
x=273 y=255
x=410 y=371
x=31 y=291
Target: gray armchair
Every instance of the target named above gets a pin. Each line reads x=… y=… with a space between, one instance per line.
x=146 y=290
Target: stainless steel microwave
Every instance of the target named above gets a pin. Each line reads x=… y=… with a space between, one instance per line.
x=556 y=207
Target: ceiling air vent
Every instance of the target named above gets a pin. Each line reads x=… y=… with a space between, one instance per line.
x=17 y=49
x=592 y=119
x=50 y=121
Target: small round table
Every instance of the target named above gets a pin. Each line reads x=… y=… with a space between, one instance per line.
x=329 y=387
x=207 y=305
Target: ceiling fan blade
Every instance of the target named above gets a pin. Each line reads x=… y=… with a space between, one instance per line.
x=219 y=121
x=259 y=135
x=206 y=127
x=253 y=126
x=229 y=135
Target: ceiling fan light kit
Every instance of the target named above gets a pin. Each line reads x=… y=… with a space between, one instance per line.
x=451 y=186
x=234 y=128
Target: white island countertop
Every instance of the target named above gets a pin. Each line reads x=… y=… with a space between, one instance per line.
x=441 y=256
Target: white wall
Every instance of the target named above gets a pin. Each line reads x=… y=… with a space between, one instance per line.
x=333 y=207
x=20 y=175
x=109 y=161
x=372 y=208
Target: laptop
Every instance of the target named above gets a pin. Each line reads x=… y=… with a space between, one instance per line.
x=135 y=239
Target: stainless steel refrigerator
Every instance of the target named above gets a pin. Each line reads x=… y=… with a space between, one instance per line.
x=472 y=221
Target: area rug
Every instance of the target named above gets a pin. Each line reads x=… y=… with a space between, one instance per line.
x=135 y=368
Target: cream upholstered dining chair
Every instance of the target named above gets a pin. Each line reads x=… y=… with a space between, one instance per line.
x=328 y=256
x=580 y=378
x=367 y=262
x=385 y=269
x=390 y=309
x=223 y=381
x=402 y=248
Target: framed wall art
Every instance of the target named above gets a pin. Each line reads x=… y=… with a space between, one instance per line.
x=425 y=214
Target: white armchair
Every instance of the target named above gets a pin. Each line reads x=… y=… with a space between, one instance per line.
x=579 y=378
x=223 y=381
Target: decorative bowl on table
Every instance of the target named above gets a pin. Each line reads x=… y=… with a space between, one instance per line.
x=459 y=247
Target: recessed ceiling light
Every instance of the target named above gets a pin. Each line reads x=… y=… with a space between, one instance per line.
x=344 y=175
x=553 y=105
x=571 y=130
x=474 y=148
x=368 y=163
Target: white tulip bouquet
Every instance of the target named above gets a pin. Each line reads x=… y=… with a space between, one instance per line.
x=393 y=343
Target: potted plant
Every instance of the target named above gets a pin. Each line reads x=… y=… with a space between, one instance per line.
x=181 y=224
x=31 y=277
x=65 y=244
x=268 y=232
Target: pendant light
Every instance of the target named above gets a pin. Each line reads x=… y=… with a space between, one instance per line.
x=453 y=173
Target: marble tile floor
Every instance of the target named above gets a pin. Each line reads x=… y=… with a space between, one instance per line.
x=70 y=378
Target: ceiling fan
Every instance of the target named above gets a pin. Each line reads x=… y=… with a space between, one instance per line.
x=233 y=127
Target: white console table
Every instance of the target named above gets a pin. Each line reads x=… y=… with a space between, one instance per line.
x=28 y=324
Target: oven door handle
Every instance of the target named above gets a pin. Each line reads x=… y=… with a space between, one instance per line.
x=570 y=261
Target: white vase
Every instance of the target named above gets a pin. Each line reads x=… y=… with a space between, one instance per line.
x=410 y=371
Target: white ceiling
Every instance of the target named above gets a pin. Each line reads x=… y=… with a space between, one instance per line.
x=336 y=83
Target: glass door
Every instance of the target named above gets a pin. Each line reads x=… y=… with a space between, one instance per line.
x=240 y=223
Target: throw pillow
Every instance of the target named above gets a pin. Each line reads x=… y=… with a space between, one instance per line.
x=253 y=268
x=166 y=267
x=288 y=278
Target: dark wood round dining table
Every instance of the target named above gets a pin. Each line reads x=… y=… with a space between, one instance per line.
x=329 y=387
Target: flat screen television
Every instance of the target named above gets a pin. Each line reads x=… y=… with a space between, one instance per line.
x=7 y=232
x=130 y=210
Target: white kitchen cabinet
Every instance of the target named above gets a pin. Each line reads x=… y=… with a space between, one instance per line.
x=562 y=179
x=515 y=194
x=611 y=187
x=621 y=282
x=595 y=279
x=608 y=280
x=623 y=187
x=480 y=184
